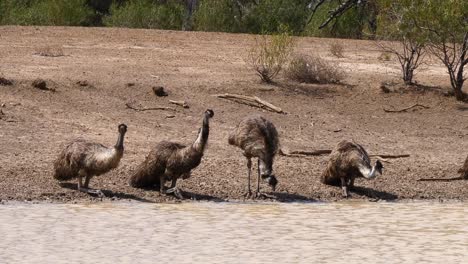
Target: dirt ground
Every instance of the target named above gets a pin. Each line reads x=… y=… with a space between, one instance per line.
x=121 y=66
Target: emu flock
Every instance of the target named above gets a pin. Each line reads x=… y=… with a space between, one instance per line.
x=256 y=136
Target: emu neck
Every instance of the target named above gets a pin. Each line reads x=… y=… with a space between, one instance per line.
x=202 y=139
x=368 y=173
x=120 y=141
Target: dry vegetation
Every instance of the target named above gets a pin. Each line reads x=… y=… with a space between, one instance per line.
x=313 y=69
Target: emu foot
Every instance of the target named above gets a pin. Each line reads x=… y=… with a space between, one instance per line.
x=248 y=194
x=99 y=193
x=177 y=193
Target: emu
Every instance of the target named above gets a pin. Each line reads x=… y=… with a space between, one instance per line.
x=83 y=159
x=347 y=162
x=258 y=138
x=170 y=161
x=464 y=171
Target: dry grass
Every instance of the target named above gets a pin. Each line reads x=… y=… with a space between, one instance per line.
x=50 y=51
x=337 y=50
x=385 y=56
x=312 y=69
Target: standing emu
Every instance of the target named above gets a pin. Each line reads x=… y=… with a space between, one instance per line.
x=349 y=161
x=170 y=161
x=82 y=159
x=258 y=138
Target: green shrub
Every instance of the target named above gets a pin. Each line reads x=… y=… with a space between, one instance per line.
x=224 y=20
x=269 y=55
x=146 y=14
x=46 y=12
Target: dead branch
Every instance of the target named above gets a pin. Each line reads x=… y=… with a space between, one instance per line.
x=442 y=179
x=300 y=153
x=251 y=101
x=179 y=103
x=406 y=108
x=149 y=109
x=389 y=156
x=320 y=152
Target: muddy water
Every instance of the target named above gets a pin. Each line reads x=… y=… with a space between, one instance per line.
x=234 y=233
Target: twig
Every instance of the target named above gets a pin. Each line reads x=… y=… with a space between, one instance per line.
x=180 y=103
x=405 y=109
x=149 y=109
x=251 y=101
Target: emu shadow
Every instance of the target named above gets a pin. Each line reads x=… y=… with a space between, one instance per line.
x=371 y=193
x=107 y=193
x=290 y=197
x=201 y=197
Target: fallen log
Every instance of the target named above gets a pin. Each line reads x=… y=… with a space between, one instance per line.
x=406 y=108
x=149 y=109
x=442 y=179
x=388 y=156
x=251 y=101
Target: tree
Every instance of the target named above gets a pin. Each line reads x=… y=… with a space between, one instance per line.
x=396 y=23
x=447 y=25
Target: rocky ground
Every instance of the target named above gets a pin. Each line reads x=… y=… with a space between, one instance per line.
x=92 y=73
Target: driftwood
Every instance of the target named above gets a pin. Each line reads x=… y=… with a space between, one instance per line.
x=179 y=103
x=251 y=101
x=406 y=108
x=149 y=109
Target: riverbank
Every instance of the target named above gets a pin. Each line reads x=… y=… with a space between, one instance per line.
x=99 y=70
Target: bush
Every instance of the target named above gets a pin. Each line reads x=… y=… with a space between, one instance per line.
x=337 y=50
x=146 y=14
x=269 y=54
x=224 y=20
x=46 y=12
x=311 y=69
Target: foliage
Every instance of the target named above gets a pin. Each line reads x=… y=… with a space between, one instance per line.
x=45 y=12
x=146 y=14
x=446 y=23
x=270 y=53
x=313 y=69
x=225 y=19
x=396 y=20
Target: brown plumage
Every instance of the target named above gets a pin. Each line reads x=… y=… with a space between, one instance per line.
x=83 y=159
x=349 y=161
x=258 y=138
x=170 y=161
x=464 y=171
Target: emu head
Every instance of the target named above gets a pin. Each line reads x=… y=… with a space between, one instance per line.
x=209 y=113
x=378 y=167
x=122 y=128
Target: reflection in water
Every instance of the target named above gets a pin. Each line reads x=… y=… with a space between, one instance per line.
x=234 y=233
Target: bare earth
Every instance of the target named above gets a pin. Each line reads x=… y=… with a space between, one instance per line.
x=193 y=66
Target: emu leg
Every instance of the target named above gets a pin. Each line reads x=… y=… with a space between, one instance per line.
x=162 y=181
x=249 y=168
x=258 y=194
x=177 y=193
x=84 y=187
x=351 y=183
x=344 y=187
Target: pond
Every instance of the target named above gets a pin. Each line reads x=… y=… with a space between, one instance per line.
x=348 y=232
